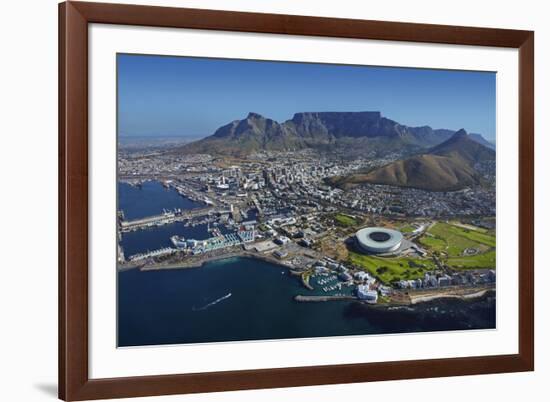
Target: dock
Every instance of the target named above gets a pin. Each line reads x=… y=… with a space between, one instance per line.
x=302 y=298
x=163 y=219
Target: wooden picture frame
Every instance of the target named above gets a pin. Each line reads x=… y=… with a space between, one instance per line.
x=74 y=381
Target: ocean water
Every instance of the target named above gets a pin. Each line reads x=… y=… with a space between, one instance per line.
x=150 y=199
x=154 y=238
x=191 y=305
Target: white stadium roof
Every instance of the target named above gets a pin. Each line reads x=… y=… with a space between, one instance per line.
x=379 y=240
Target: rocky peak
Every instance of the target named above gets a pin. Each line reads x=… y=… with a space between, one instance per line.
x=255 y=116
x=460 y=134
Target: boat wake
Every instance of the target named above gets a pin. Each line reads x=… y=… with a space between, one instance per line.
x=227 y=296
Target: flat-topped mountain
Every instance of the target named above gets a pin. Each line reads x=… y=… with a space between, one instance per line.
x=349 y=131
x=446 y=167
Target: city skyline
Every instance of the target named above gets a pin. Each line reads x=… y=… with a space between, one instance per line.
x=192 y=97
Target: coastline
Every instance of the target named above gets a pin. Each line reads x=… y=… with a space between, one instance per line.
x=411 y=298
x=201 y=261
x=467 y=296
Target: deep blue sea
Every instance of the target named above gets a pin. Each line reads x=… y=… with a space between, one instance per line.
x=192 y=306
x=150 y=199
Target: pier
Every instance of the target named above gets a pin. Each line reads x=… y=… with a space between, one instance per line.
x=163 y=219
x=302 y=298
x=161 y=252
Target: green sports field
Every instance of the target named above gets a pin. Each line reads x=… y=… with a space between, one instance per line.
x=451 y=240
x=407 y=229
x=345 y=220
x=392 y=269
x=479 y=261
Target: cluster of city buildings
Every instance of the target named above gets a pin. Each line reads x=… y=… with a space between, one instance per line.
x=299 y=179
x=219 y=242
x=278 y=204
x=438 y=280
x=365 y=285
x=151 y=164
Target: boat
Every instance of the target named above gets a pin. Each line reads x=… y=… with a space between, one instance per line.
x=178 y=241
x=227 y=296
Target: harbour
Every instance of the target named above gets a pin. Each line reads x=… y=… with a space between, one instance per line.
x=281 y=300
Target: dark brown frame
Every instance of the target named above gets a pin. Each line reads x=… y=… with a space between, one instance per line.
x=74 y=17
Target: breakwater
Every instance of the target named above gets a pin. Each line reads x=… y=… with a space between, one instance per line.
x=197 y=262
x=302 y=298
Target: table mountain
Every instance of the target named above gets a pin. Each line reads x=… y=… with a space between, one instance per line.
x=353 y=132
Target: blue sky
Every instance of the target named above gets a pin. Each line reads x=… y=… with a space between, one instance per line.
x=182 y=96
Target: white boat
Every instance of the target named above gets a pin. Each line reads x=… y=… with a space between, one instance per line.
x=178 y=241
x=227 y=296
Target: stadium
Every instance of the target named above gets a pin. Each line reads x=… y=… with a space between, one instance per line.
x=378 y=240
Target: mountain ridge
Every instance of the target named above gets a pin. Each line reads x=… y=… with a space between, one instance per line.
x=448 y=166
x=356 y=132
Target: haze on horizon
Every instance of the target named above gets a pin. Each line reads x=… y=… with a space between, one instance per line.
x=192 y=97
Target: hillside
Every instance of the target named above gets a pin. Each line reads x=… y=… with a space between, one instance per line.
x=446 y=167
x=464 y=147
x=480 y=139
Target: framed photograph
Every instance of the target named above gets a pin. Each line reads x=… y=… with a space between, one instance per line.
x=259 y=200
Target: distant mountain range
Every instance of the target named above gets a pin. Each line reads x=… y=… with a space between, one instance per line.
x=445 y=167
x=352 y=132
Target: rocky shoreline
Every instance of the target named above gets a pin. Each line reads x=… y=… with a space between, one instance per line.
x=462 y=294
x=466 y=296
